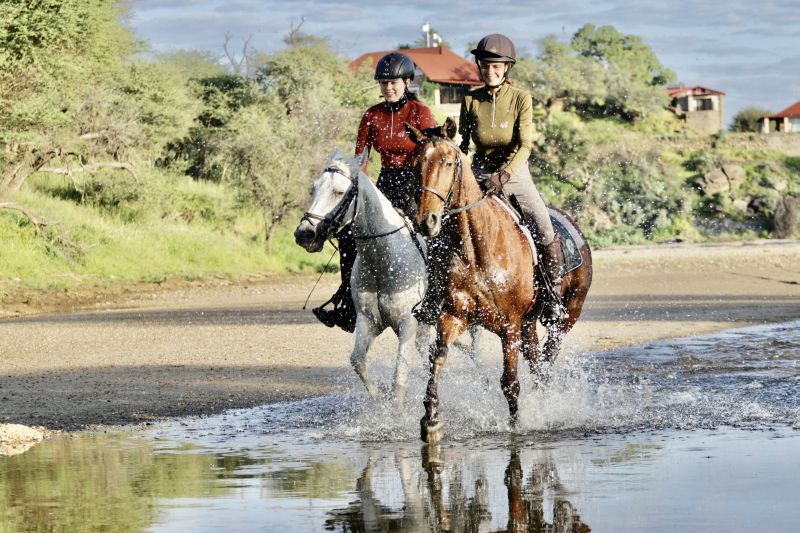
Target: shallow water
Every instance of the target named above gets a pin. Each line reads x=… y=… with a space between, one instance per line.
x=700 y=433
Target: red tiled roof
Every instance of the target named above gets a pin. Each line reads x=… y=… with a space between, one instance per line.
x=793 y=111
x=697 y=90
x=439 y=64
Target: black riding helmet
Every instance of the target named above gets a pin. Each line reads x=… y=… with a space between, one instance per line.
x=496 y=48
x=394 y=66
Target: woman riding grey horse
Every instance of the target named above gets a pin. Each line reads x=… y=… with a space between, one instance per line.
x=381 y=128
x=388 y=275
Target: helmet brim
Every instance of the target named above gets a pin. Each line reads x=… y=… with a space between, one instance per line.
x=489 y=57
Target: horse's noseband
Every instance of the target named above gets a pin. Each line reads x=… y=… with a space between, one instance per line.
x=458 y=181
x=448 y=200
x=334 y=220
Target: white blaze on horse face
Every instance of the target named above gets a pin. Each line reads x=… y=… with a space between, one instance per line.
x=327 y=192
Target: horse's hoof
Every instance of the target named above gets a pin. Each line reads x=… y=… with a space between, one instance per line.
x=431 y=432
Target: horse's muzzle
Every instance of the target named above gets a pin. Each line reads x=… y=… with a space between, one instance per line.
x=306 y=237
x=430 y=225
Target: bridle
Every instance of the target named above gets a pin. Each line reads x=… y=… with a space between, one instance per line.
x=457 y=183
x=333 y=222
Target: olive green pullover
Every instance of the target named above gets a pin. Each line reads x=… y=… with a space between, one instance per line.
x=500 y=125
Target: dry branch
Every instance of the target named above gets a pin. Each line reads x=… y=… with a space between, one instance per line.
x=90 y=168
x=38 y=223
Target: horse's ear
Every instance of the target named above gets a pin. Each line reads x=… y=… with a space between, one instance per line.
x=359 y=161
x=414 y=134
x=450 y=129
x=336 y=155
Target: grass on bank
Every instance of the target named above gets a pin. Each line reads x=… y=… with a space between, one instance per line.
x=194 y=230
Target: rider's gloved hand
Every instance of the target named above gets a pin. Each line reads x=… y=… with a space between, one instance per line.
x=496 y=181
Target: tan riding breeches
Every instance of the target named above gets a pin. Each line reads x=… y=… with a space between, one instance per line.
x=521 y=185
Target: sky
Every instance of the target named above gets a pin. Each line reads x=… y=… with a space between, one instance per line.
x=748 y=49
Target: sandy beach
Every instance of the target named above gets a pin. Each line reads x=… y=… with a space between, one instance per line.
x=132 y=356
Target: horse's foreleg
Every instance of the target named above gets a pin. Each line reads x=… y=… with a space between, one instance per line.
x=512 y=345
x=448 y=329
x=406 y=335
x=365 y=334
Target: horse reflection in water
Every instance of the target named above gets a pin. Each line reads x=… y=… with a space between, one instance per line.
x=428 y=506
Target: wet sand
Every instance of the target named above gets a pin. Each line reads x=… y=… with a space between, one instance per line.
x=197 y=350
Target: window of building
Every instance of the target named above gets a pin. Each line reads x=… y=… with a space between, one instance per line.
x=705 y=104
x=452 y=94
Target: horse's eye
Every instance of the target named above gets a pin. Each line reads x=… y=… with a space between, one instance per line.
x=449 y=163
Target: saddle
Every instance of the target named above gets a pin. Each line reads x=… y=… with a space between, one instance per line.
x=571 y=240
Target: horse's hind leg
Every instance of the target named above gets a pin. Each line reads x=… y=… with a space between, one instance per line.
x=365 y=334
x=530 y=346
x=512 y=344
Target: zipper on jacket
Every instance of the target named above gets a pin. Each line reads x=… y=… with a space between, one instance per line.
x=494 y=98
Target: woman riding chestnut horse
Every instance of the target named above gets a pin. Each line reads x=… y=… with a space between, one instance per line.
x=485 y=264
x=488 y=271
x=498 y=119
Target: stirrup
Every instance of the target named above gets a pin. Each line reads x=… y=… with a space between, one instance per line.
x=329 y=318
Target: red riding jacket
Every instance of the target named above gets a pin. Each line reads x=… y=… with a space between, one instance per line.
x=382 y=129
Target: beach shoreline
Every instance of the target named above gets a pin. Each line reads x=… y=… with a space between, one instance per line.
x=196 y=349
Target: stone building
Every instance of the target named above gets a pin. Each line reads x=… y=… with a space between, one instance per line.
x=787 y=121
x=702 y=108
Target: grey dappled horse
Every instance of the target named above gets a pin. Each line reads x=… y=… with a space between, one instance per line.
x=388 y=277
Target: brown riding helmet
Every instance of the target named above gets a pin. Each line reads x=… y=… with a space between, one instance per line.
x=495 y=48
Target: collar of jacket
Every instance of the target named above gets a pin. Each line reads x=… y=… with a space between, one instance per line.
x=396 y=106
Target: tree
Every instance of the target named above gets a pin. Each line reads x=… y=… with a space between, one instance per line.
x=297 y=38
x=749 y=119
x=75 y=98
x=559 y=74
x=634 y=77
x=627 y=52
x=193 y=64
x=267 y=135
x=52 y=54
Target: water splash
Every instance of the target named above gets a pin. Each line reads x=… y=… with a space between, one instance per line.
x=746 y=377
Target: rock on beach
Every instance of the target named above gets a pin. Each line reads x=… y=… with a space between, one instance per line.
x=16 y=438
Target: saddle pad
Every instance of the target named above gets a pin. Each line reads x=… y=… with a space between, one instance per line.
x=571 y=240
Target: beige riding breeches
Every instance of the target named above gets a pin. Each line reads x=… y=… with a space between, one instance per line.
x=521 y=185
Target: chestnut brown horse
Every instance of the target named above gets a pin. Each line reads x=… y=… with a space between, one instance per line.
x=491 y=279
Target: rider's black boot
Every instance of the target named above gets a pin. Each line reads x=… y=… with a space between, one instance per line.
x=343 y=313
x=552 y=268
x=430 y=308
